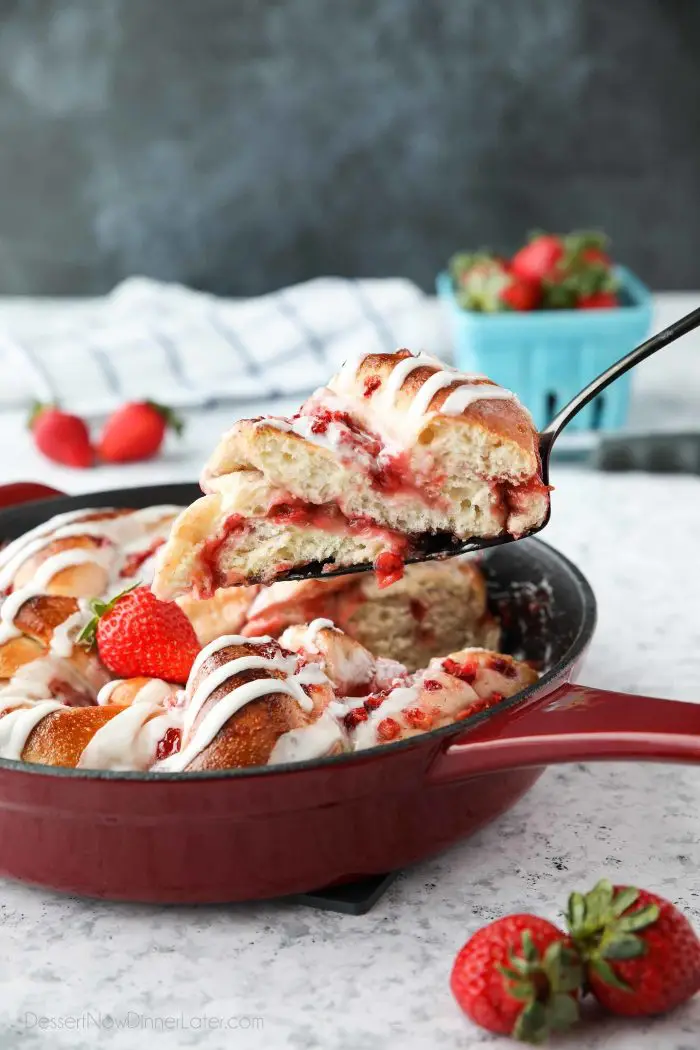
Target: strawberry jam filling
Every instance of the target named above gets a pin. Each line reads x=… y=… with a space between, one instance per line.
x=466 y=672
x=388 y=729
x=503 y=667
x=68 y=694
x=210 y=576
x=354 y=717
x=134 y=562
x=388 y=472
x=388 y=568
x=170 y=743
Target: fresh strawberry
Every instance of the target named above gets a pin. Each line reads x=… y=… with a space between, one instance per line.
x=521 y=294
x=136 y=431
x=595 y=256
x=62 y=437
x=139 y=636
x=641 y=954
x=479 y=279
x=518 y=976
x=539 y=259
x=598 y=301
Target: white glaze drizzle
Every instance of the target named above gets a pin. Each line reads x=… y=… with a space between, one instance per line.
x=32 y=681
x=473 y=387
x=437 y=381
x=46 y=527
x=222 y=674
x=310 y=641
x=67 y=560
x=333 y=437
x=463 y=396
x=154 y=691
x=222 y=643
x=63 y=637
x=11 y=567
x=346 y=377
x=219 y=715
x=400 y=373
x=9 y=610
x=121 y=530
x=129 y=739
x=308 y=742
x=311 y=674
x=365 y=734
x=17 y=725
x=105 y=694
x=240 y=695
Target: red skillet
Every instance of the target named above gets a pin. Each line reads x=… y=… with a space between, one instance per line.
x=246 y=834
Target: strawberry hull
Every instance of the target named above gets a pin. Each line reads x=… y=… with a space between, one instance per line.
x=244 y=834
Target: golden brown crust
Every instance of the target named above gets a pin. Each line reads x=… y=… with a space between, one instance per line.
x=39 y=616
x=17 y=652
x=504 y=417
x=61 y=737
x=248 y=737
x=37 y=619
x=79 y=581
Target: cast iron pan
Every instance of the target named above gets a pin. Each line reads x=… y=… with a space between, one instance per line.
x=244 y=834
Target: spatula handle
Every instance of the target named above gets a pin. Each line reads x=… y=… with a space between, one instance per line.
x=640 y=353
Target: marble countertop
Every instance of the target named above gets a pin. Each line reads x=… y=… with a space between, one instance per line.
x=282 y=977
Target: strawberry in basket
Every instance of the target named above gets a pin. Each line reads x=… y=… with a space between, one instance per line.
x=551 y=272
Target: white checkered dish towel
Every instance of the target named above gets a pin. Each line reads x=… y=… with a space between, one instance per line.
x=191 y=349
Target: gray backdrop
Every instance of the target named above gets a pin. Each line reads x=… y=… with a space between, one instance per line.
x=242 y=144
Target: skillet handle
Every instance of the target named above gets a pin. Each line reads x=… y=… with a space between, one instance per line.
x=572 y=724
x=25 y=492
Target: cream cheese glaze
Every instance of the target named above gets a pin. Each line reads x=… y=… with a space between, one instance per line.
x=64 y=636
x=129 y=741
x=398 y=700
x=32 y=681
x=473 y=387
x=311 y=634
x=20 y=718
x=240 y=695
x=325 y=736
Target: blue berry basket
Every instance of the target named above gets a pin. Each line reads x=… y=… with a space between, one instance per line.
x=547 y=356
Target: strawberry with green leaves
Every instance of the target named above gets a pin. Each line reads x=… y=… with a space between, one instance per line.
x=486 y=284
x=583 y=277
x=518 y=976
x=641 y=954
x=139 y=636
x=136 y=431
x=480 y=279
